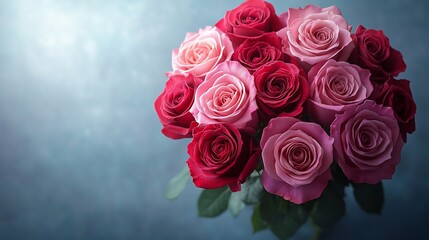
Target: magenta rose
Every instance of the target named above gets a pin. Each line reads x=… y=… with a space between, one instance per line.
x=249 y=20
x=397 y=95
x=174 y=103
x=201 y=52
x=220 y=155
x=334 y=85
x=296 y=156
x=373 y=51
x=367 y=142
x=253 y=53
x=227 y=95
x=315 y=34
x=282 y=89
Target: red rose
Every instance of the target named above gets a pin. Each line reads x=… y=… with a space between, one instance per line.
x=173 y=105
x=249 y=20
x=253 y=53
x=397 y=95
x=282 y=89
x=373 y=52
x=220 y=155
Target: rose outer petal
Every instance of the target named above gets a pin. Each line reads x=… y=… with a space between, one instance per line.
x=298 y=195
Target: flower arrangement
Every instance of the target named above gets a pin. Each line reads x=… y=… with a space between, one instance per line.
x=284 y=112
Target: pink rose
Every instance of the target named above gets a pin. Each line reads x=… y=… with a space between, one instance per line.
x=367 y=142
x=227 y=95
x=315 y=34
x=173 y=105
x=296 y=156
x=333 y=85
x=201 y=52
x=250 y=20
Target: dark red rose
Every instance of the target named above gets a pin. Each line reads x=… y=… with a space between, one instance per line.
x=397 y=95
x=173 y=105
x=249 y=20
x=221 y=155
x=255 y=52
x=282 y=89
x=373 y=52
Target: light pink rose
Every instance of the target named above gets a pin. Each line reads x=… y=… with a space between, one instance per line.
x=315 y=34
x=367 y=143
x=333 y=85
x=296 y=156
x=201 y=52
x=227 y=95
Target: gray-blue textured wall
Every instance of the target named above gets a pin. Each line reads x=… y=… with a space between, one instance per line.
x=81 y=152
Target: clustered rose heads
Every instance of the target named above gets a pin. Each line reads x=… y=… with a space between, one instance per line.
x=318 y=93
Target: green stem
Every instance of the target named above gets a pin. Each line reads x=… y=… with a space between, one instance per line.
x=317 y=232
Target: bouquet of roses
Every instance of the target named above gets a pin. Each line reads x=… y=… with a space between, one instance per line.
x=284 y=112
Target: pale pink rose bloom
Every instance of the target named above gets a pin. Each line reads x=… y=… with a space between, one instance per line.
x=367 y=142
x=200 y=52
x=296 y=156
x=333 y=85
x=315 y=34
x=227 y=94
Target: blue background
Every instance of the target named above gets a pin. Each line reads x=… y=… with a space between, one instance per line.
x=81 y=152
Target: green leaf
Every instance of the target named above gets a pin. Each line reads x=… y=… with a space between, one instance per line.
x=284 y=206
x=177 y=184
x=287 y=228
x=251 y=190
x=235 y=204
x=283 y=217
x=330 y=207
x=212 y=203
x=300 y=212
x=257 y=223
x=370 y=197
x=296 y=216
x=317 y=232
x=270 y=209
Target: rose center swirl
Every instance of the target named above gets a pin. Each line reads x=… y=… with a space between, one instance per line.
x=221 y=150
x=250 y=15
